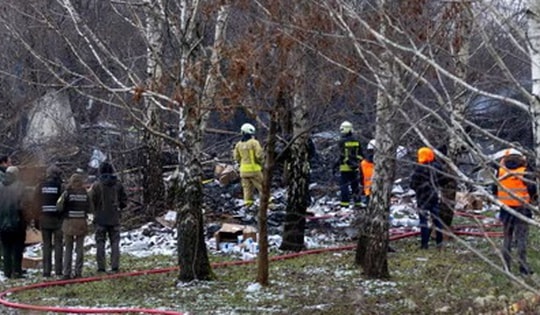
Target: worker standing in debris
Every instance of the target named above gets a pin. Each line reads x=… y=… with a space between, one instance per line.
x=426 y=181
x=12 y=222
x=50 y=220
x=515 y=189
x=249 y=154
x=349 y=158
x=367 y=167
x=109 y=198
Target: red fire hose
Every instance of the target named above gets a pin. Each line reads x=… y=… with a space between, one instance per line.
x=82 y=310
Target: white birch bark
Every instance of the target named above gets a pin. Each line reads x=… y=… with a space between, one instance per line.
x=533 y=15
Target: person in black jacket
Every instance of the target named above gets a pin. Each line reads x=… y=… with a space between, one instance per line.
x=349 y=159
x=426 y=181
x=109 y=197
x=12 y=222
x=50 y=220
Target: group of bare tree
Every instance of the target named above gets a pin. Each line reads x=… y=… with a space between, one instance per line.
x=412 y=72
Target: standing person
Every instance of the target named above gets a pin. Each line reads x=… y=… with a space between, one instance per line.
x=108 y=197
x=249 y=154
x=12 y=222
x=349 y=150
x=425 y=181
x=75 y=205
x=515 y=189
x=5 y=162
x=50 y=220
x=367 y=167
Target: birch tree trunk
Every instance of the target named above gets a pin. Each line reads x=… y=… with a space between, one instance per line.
x=372 y=248
x=192 y=252
x=298 y=168
x=459 y=48
x=533 y=15
x=153 y=187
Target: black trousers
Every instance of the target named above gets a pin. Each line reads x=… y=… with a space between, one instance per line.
x=13 y=249
x=52 y=243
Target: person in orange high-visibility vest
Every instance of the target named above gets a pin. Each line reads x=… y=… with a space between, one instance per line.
x=426 y=181
x=515 y=189
x=249 y=154
x=367 y=167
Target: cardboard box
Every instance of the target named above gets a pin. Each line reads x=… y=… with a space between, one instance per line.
x=469 y=201
x=229 y=233
x=31 y=262
x=33 y=236
x=225 y=173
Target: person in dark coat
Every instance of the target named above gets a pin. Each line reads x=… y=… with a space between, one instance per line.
x=75 y=206
x=12 y=223
x=50 y=220
x=515 y=189
x=426 y=181
x=109 y=198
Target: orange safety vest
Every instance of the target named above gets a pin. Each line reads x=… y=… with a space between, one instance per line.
x=367 y=171
x=512 y=182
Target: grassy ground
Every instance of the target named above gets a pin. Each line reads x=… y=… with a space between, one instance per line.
x=451 y=281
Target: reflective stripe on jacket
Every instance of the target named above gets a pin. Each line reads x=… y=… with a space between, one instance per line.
x=249 y=155
x=77 y=204
x=367 y=170
x=512 y=181
x=350 y=155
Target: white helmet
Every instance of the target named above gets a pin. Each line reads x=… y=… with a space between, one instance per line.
x=247 y=129
x=371 y=144
x=345 y=127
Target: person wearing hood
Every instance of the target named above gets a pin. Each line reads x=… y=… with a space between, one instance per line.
x=76 y=206
x=12 y=222
x=248 y=153
x=50 y=220
x=349 y=158
x=515 y=189
x=426 y=181
x=109 y=198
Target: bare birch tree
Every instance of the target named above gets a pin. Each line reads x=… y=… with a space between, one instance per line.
x=153 y=188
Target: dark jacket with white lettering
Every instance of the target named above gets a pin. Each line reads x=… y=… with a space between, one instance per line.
x=76 y=209
x=47 y=193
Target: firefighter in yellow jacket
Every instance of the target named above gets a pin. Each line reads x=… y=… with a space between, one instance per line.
x=249 y=154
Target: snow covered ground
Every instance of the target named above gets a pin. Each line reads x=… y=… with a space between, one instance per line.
x=329 y=226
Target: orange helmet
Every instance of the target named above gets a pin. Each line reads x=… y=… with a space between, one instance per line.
x=425 y=155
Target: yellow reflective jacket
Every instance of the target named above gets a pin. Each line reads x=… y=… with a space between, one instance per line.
x=249 y=155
